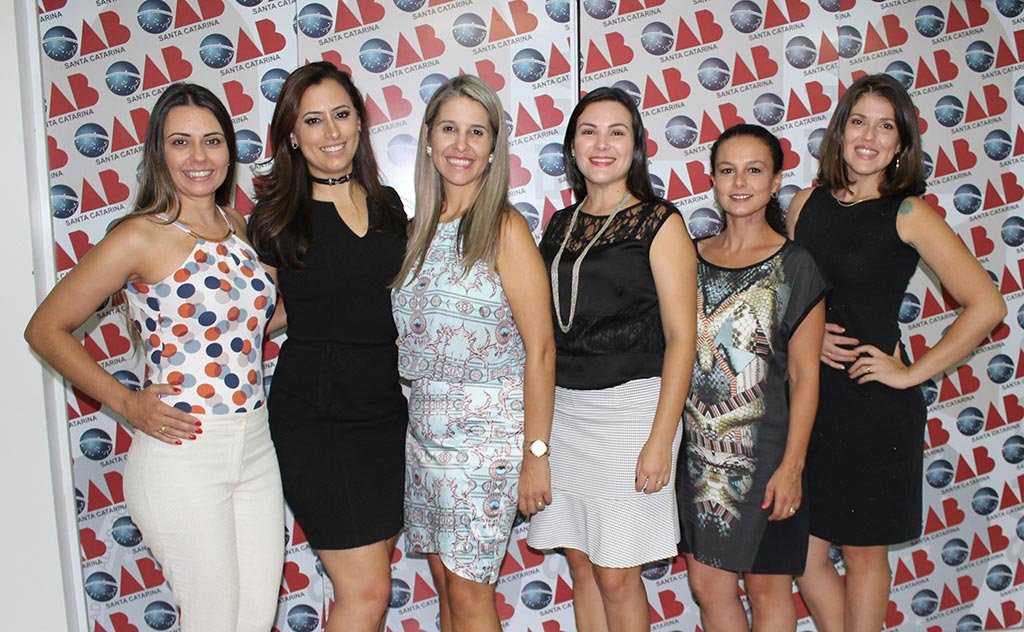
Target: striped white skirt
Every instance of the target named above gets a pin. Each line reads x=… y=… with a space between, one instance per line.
x=596 y=437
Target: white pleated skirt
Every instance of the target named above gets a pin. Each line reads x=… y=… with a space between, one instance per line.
x=596 y=437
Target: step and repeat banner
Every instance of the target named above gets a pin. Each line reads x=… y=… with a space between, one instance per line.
x=695 y=68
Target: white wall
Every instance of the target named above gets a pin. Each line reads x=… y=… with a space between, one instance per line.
x=31 y=586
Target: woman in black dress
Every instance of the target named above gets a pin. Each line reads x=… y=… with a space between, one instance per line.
x=867 y=229
x=336 y=237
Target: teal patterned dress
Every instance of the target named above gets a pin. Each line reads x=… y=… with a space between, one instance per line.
x=461 y=351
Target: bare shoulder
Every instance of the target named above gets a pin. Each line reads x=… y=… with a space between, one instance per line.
x=237 y=221
x=141 y=233
x=916 y=219
x=514 y=226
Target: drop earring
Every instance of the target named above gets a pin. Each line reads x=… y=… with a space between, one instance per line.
x=430 y=150
x=897 y=163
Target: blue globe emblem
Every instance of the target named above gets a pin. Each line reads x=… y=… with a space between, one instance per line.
x=160 y=615
x=100 y=586
x=319 y=567
x=1018 y=91
x=375 y=55
x=713 y=73
x=469 y=29
x=924 y=603
x=835 y=554
x=999 y=578
x=155 y=16
x=769 y=109
x=970 y=623
x=1012 y=230
x=657 y=38
x=600 y=9
x=272 y=82
x=128 y=380
x=314 y=20
x=929 y=164
x=930 y=391
x=529 y=65
x=814 y=141
x=631 y=89
x=850 y=42
x=655 y=570
x=930 y=21
x=832 y=6
x=910 y=308
x=95 y=444
x=967 y=199
x=401 y=151
x=79 y=501
x=550 y=159
x=63 y=201
x=509 y=123
x=681 y=131
x=985 y=501
x=250 y=146
x=955 y=552
x=980 y=56
x=657 y=184
x=558 y=10
x=1020 y=316
x=216 y=50
x=746 y=16
x=786 y=194
x=901 y=71
x=1010 y=8
x=430 y=84
x=801 y=52
x=249 y=3
x=530 y=213
x=125 y=533
x=970 y=421
x=1020 y=528
x=1000 y=368
x=949 y=111
x=400 y=593
x=1013 y=450
x=704 y=222
x=536 y=595
x=303 y=618
x=940 y=473
x=123 y=78
x=410 y=5
x=91 y=140
x=998 y=144
x=60 y=43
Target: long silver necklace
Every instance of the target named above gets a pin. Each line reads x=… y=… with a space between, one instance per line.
x=576 y=264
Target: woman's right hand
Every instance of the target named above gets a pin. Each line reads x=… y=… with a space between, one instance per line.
x=837 y=350
x=146 y=412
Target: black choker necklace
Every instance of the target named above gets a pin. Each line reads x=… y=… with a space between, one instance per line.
x=331 y=181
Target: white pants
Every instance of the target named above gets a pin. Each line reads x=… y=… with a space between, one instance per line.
x=212 y=513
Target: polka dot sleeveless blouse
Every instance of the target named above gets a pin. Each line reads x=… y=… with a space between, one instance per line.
x=202 y=327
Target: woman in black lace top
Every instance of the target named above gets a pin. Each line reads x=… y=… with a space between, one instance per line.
x=623 y=274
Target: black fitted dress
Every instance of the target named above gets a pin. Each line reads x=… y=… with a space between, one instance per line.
x=864 y=462
x=337 y=413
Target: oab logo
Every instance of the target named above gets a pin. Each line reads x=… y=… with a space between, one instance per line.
x=746 y=16
x=930 y=21
x=949 y=111
x=998 y=145
x=657 y=38
x=970 y=623
x=91 y=140
x=1018 y=91
x=985 y=501
x=655 y=570
x=303 y=618
x=1010 y=8
x=376 y=55
x=657 y=184
x=681 y=131
x=160 y=615
x=769 y=109
x=970 y=421
x=1013 y=450
x=901 y=71
x=967 y=199
x=1012 y=231
x=940 y=473
x=430 y=84
x=713 y=74
x=123 y=78
x=470 y=30
x=631 y=89
x=100 y=586
x=314 y=20
x=125 y=532
x=910 y=308
x=60 y=43
x=400 y=593
x=401 y=150
x=529 y=65
x=801 y=52
x=216 y=50
x=1020 y=528
x=250 y=146
x=999 y=578
x=272 y=82
x=600 y=9
x=704 y=222
x=980 y=56
x=536 y=595
x=95 y=444
x=79 y=501
x=924 y=603
x=955 y=552
x=1000 y=368
x=558 y=10
x=550 y=159
x=409 y=5
x=154 y=16
x=63 y=201
x=786 y=194
x=532 y=216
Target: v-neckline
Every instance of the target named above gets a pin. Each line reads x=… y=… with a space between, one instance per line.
x=334 y=209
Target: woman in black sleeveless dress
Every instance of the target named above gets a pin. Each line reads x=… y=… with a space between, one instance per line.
x=866 y=228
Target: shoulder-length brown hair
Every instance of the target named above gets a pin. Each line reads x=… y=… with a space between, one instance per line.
x=280 y=223
x=905 y=174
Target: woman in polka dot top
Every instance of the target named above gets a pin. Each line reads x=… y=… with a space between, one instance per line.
x=202 y=480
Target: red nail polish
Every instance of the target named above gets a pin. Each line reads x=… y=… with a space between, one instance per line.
x=177 y=390
x=192 y=437
x=199 y=431
x=178 y=442
x=198 y=423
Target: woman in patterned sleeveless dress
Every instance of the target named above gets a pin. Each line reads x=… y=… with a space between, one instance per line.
x=624 y=289
x=867 y=229
x=475 y=340
x=201 y=480
x=760 y=320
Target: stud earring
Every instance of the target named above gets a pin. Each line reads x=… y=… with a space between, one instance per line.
x=897 y=163
x=775 y=194
x=430 y=150
x=490 y=159
x=295 y=145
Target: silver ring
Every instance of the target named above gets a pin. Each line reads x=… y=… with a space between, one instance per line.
x=792 y=510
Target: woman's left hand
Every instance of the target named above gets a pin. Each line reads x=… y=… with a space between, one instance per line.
x=534 y=484
x=784 y=491
x=653 y=468
x=874 y=365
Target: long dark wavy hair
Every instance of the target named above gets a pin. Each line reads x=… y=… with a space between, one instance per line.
x=638 y=181
x=280 y=224
x=773 y=212
x=908 y=178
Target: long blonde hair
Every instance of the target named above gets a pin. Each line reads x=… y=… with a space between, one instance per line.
x=480 y=229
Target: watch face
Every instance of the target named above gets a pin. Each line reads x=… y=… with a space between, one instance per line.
x=538 y=448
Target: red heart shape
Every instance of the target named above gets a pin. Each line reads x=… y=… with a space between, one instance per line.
x=994 y=102
x=895 y=34
x=652 y=147
x=670 y=606
x=115 y=190
x=431 y=45
x=969 y=383
x=797 y=10
x=1011 y=614
x=238 y=101
x=270 y=39
x=522 y=20
x=790 y=158
x=57 y=156
x=270 y=350
x=370 y=11
x=551 y=626
x=933 y=201
x=211 y=8
x=550 y=115
x=80 y=243
x=954 y=514
x=505 y=609
x=1014 y=409
x=398 y=106
x=923 y=566
x=983 y=463
x=151 y=575
x=710 y=30
x=178 y=68
x=83 y=93
x=968 y=590
x=334 y=57
x=121 y=623
x=893 y=617
x=486 y=71
x=117 y=344
x=676 y=88
x=115 y=32
x=764 y=65
x=997 y=539
x=976 y=13
x=946 y=69
x=621 y=54
x=411 y=625
x=518 y=176
x=92 y=547
x=699 y=178
x=294 y=579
